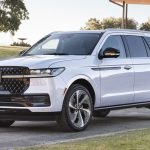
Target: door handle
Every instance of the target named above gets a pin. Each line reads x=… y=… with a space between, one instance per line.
x=127 y=67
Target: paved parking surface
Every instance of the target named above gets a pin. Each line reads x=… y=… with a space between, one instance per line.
x=23 y=134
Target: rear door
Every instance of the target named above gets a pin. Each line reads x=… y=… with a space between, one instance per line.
x=141 y=63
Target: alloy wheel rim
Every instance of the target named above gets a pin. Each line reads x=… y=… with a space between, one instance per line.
x=79 y=108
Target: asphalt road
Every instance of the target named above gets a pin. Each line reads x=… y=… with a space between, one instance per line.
x=23 y=134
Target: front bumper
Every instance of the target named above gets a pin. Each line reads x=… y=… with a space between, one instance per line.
x=27 y=115
x=26 y=100
x=52 y=88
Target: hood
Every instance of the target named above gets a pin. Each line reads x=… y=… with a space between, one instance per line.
x=38 y=61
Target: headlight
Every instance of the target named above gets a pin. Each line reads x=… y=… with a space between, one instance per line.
x=38 y=73
x=50 y=72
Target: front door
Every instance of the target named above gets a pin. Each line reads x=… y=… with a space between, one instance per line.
x=117 y=75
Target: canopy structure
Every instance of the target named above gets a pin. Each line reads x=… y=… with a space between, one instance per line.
x=124 y=5
x=145 y=2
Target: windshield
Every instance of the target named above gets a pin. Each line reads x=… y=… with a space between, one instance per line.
x=66 y=44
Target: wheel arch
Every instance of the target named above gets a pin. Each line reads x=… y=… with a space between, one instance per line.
x=84 y=82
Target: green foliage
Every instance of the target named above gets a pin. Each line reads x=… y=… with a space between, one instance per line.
x=92 y=24
x=21 y=44
x=111 y=23
x=145 y=26
x=95 y=24
x=132 y=24
x=12 y=12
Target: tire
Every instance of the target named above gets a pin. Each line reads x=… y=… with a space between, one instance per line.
x=77 y=109
x=6 y=124
x=101 y=113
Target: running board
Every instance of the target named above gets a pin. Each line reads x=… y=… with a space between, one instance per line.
x=124 y=106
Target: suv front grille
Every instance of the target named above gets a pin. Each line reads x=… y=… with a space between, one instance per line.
x=15 y=86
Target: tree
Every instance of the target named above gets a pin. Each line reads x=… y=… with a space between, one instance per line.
x=132 y=24
x=145 y=26
x=20 y=44
x=92 y=24
x=12 y=12
x=95 y=24
x=117 y=23
x=111 y=23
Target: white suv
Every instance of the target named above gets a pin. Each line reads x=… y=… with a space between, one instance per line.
x=72 y=76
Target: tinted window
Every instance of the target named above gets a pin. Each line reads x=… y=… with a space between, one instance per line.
x=147 y=45
x=147 y=40
x=136 y=46
x=66 y=44
x=116 y=42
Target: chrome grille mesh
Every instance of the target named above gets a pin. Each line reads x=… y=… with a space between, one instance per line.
x=15 y=86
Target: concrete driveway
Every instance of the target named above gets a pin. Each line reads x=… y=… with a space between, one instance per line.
x=23 y=134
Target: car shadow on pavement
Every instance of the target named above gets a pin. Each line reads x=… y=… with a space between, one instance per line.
x=96 y=124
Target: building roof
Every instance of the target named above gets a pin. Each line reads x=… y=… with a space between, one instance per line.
x=145 y=2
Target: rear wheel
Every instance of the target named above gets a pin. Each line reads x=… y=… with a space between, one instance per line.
x=101 y=113
x=77 y=109
x=6 y=123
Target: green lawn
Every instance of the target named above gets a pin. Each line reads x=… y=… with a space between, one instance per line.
x=10 y=51
x=137 y=140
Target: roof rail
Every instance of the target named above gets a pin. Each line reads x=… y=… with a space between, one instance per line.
x=130 y=30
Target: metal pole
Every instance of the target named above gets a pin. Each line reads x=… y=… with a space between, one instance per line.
x=126 y=24
x=123 y=15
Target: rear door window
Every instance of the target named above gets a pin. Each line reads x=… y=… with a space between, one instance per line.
x=147 y=43
x=147 y=40
x=136 y=46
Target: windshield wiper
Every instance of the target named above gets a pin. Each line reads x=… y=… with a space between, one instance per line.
x=28 y=54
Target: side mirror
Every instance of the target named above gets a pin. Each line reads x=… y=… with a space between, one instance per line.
x=109 y=53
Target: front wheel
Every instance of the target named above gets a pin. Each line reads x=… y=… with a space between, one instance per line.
x=6 y=124
x=77 y=109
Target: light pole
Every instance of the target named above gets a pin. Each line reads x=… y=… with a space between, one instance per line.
x=124 y=13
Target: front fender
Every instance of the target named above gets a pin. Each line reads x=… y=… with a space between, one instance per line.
x=90 y=81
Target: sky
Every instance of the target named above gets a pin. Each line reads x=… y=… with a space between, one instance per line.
x=64 y=15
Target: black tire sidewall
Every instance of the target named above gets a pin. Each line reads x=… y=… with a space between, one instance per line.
x=71 y=90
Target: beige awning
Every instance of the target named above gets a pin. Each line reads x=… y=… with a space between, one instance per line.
x=146 y=2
